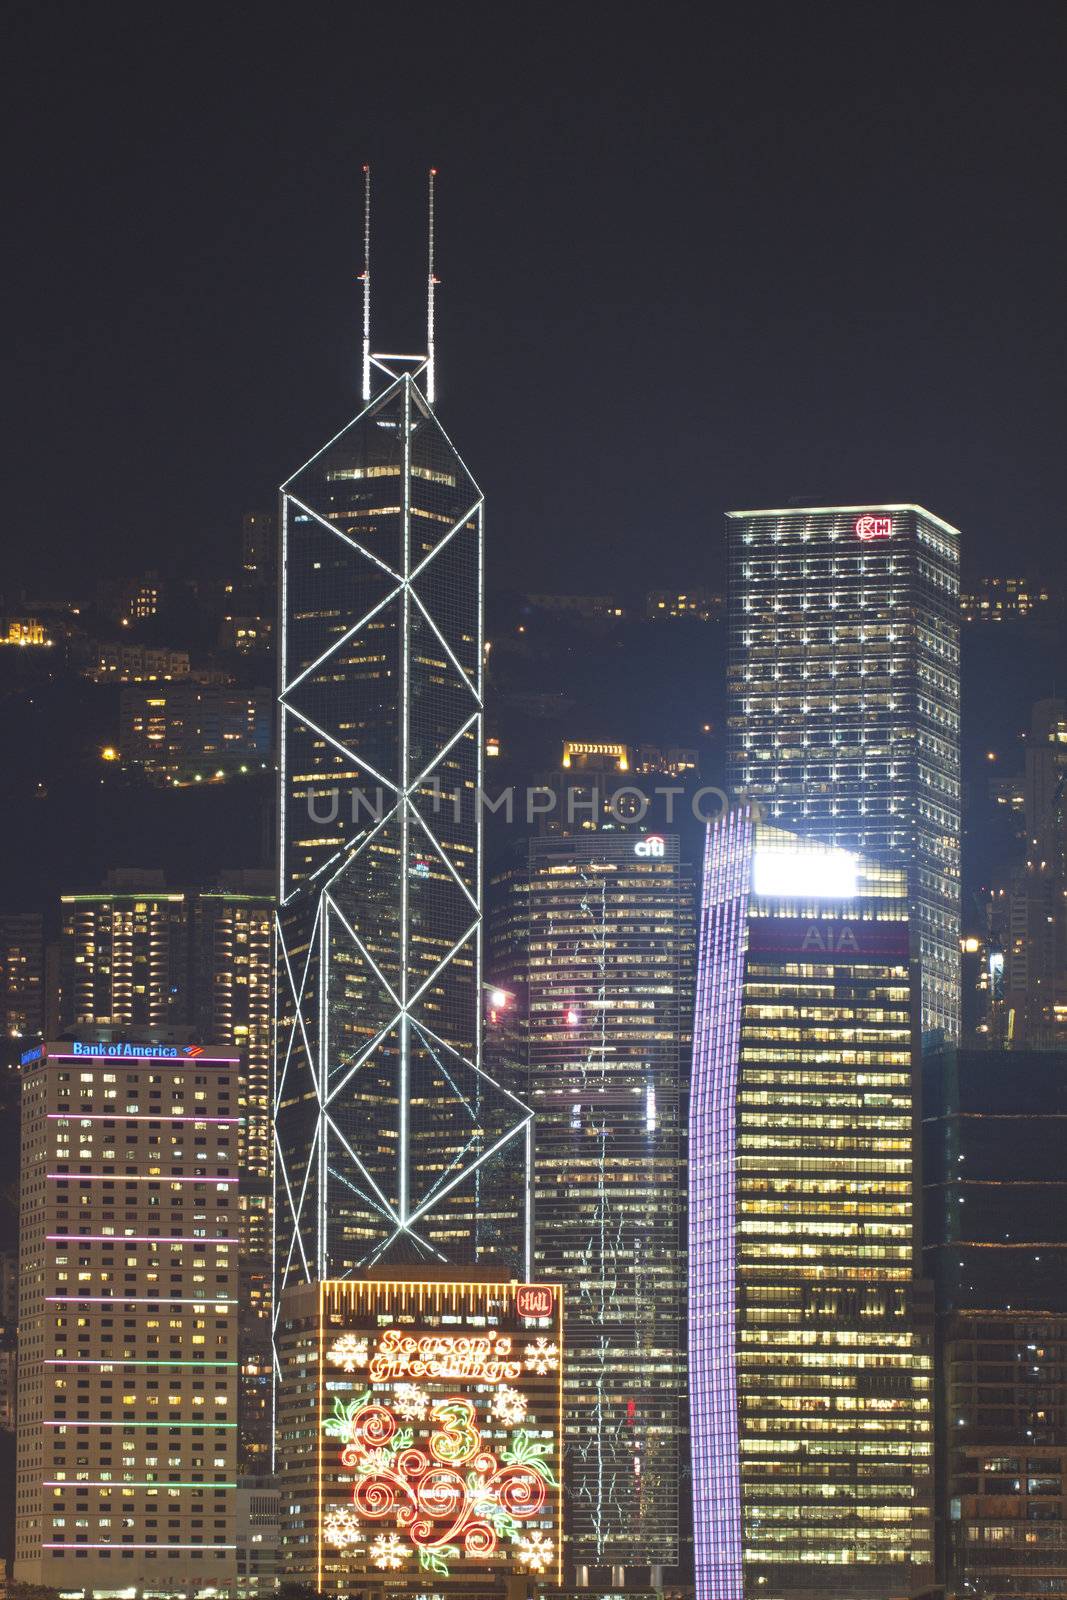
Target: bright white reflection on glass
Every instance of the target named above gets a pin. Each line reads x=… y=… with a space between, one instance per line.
x=824 y=874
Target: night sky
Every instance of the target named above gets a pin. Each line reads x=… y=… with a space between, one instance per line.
x=693 y=257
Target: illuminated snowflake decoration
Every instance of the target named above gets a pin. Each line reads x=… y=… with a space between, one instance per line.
x=535 y=1550
x=412 y=1402
x=348 y=1352
x=340 y=1527
x=509 y=1406
x=388 y=1551
x=542 y=1357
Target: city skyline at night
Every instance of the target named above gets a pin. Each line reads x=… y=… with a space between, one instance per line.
x=533 y=1002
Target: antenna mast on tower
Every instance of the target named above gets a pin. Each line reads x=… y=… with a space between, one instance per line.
x=365 y=275
x=431 y=283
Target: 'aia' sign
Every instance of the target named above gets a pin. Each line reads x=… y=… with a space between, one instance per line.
x=869 y=527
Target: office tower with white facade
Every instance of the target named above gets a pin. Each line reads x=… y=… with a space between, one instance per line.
x=844 y=686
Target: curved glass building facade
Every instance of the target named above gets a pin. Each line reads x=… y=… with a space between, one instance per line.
x=809 y=1337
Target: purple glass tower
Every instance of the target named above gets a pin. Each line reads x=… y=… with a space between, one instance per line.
x=712 y=1208
x=809 y=1336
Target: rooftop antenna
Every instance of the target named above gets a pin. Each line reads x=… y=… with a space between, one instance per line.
x=431 y=284
x=365 y=277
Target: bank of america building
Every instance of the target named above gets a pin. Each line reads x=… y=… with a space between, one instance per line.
x=844 y=699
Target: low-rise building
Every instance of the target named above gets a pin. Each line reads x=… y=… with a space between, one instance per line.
x=259 y=1529
x=701 y=605
x=998 y=599
x=176 y=731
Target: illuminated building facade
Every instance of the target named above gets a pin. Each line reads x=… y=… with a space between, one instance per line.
x=593 y=935
x=995 y=1218
x=391 y=1138
x=124 y=956
x=137 y=663
x=137 y=598
x=844 y=699
x=418 y=1433
x=606 y=787
x=1001 y=599
x=181 y=729
x=232 y=973
x=700 y=605
x=193 y=964
x=1029 y=917
x=23 y=632
x=259 y=1537
x=128 y=1339
x=259 y=550
x=809 y=1337
x=22 y=987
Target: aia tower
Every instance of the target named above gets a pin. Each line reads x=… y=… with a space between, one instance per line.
x=810 y=1338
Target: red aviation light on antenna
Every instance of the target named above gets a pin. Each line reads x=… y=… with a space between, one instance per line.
x=868 y=527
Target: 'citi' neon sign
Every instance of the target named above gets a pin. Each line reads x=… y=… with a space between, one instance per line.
x=868 y=527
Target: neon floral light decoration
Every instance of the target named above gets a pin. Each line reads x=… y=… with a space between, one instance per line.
x=454 y=1498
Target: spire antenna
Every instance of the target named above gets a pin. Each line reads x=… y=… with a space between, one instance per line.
x=365 y=276
x=431 y=284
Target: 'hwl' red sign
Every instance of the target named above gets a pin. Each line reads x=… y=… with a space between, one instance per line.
x=535 y=1300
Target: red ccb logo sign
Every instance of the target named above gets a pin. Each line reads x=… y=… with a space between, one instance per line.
x=535 y=1300
x=869 y=527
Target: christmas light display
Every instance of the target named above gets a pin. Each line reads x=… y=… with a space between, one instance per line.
x=440 y=1447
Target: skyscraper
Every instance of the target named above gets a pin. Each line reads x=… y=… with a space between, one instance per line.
x=388 y=1130
x=22 y=988
x=844 y=699
x=809 y=1337
x=1029 y=920
x=995 y=1221
x=259 y=549
x=137 y=960
x=232 y=948
x=592 y=933
x=127 y=1374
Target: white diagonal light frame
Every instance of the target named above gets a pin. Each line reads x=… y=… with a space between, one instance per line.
x=331 y=922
